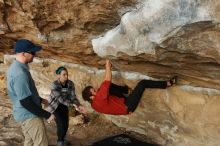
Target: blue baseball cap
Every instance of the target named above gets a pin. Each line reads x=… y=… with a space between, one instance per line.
x=24 y=45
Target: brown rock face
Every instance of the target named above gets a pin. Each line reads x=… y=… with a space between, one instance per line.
x=181 y=115
x=148 y=38
x=65 y=28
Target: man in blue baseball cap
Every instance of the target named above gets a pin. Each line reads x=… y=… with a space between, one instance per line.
x=26 y=101
x=26 y=49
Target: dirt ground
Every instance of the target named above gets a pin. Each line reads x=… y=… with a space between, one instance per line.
x=85 y=134
x=88 y=133
x=95 y=130
x=81 y=132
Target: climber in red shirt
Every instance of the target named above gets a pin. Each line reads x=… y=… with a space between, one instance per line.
x=110 y=98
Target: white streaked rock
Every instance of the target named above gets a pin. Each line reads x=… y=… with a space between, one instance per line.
x=148 y=25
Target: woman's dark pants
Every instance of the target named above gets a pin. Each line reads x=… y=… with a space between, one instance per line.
x=62 y=121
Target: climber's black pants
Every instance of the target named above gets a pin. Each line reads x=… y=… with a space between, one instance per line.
x=118 y=90
x=133 y=99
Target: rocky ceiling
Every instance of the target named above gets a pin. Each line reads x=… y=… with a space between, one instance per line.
x=154 y=37
x=65 y=28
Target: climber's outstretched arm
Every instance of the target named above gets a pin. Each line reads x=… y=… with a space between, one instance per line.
x=108 y=71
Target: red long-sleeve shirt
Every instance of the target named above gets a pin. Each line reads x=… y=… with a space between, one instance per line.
x=108 y=104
